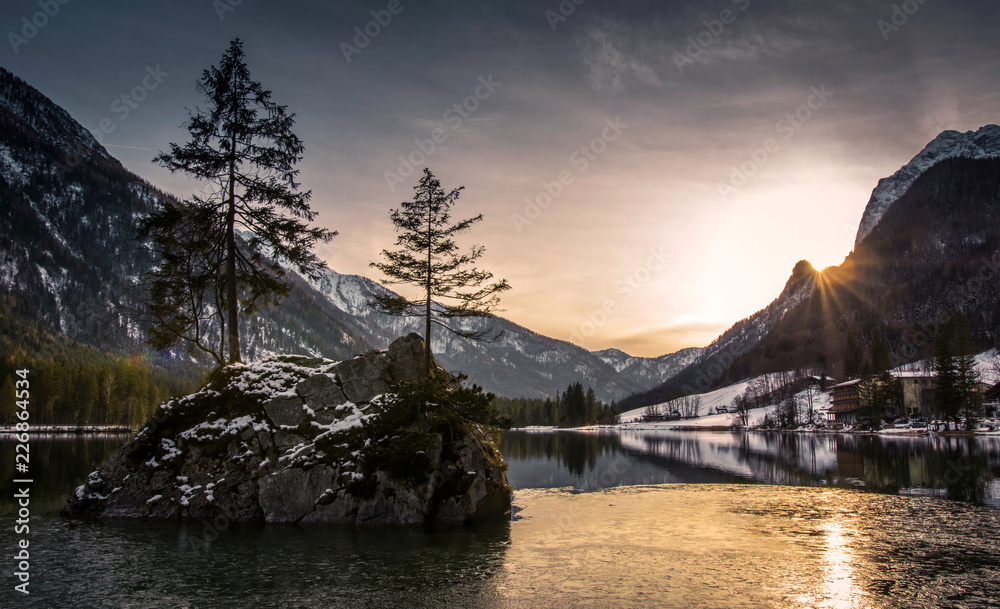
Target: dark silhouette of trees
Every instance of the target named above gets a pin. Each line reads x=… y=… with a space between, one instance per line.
x=955 y=395
x=243 y=146
x=428 y=258
x=572 y=408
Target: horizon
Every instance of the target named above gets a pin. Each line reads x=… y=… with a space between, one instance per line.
x=628 y=88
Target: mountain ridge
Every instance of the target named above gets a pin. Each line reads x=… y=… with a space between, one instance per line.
x=982 y=143
x=933 y=252
x=68 y=246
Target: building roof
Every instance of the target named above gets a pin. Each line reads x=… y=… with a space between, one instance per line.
x=847 y=384
x=993 y=392
x=913 y=374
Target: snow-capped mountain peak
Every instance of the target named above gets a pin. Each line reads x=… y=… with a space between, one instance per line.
x=979 y=144
x=649 y=369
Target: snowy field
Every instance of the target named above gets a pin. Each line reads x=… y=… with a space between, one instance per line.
x=821 y=401
x=724 y=397
x=709 y=402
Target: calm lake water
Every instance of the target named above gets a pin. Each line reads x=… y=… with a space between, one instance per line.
x=666 y=519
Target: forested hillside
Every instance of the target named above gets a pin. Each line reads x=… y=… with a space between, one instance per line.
x=935 y=251
x=71 y=384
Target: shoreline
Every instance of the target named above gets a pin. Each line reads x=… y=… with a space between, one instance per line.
x=41 y=430
x=907 y=433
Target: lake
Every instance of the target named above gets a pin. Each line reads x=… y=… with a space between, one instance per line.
x=626 y=518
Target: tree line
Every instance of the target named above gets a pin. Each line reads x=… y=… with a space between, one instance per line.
x=574 y=407
x=72 y=384
x=954 y=396
x=102 y=389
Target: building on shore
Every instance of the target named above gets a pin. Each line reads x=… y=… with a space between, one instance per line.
x=844 y=399
x=918 y=392
x=918 y=397
x=991 y=401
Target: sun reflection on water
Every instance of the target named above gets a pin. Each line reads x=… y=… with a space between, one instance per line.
x=840 y=590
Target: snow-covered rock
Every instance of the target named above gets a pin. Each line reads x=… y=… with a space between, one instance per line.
x=297 y=439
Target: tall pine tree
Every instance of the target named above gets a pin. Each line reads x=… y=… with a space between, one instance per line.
x=429 y=258
x=947 y=389
x=969 y=399
x=243 y=146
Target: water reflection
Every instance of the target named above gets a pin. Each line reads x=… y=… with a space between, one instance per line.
x=839 y=589
x=677 y=545
x=58 y=464
x=957 y=468
x=142 y=565
x=751 y=546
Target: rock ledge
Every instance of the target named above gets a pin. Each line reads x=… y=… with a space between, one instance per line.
x=296 y=439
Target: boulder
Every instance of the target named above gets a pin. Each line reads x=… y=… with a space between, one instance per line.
x=293 y=439
x=319 y=391
x=284 y=411
x=407 y=359
x=363 y=378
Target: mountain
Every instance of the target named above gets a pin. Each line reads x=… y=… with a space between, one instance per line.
x=984 y=143
x=69 y=253
x=518 y=363
x=934 y=251
x=648 y=371
x=70 y=260
x=713 y=364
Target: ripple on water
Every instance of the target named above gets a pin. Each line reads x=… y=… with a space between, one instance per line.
x=671 y=545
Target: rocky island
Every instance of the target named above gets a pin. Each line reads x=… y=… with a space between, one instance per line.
x=368 y=441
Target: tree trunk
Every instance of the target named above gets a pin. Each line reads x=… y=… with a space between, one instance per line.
x=427 y=320
x=231 y=292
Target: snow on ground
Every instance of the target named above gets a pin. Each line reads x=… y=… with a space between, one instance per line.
x=984 y=364
x=756 y=417
x=709 y=402
x=822 y=402
x=724 y=397
x=821 y=399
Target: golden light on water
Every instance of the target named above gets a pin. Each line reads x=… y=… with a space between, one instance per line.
x=684 y=545
x=840 y=591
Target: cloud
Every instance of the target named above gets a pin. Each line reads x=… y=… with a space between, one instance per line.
x=626 y=55
x=613 y=52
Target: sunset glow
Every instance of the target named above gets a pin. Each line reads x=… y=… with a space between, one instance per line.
x=587 y=142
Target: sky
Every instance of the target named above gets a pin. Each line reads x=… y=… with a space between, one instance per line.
x=649 y=172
